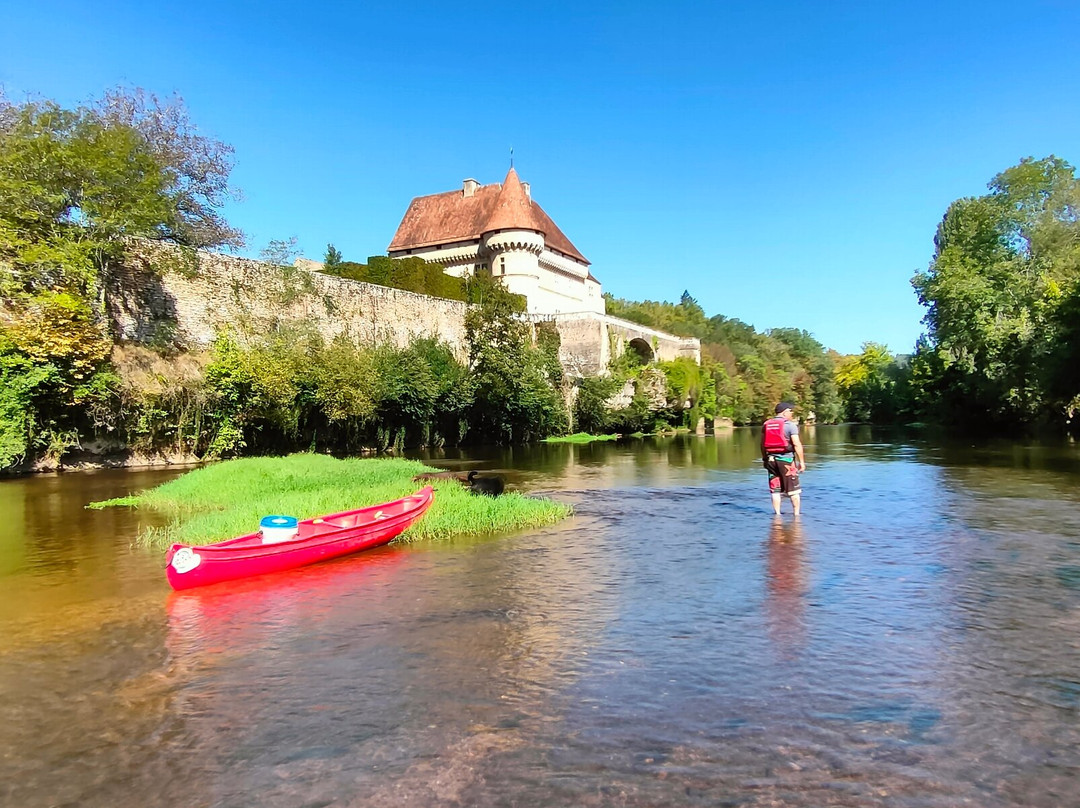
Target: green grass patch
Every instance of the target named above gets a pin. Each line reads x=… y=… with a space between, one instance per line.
x=228 y=499
x=579 y=437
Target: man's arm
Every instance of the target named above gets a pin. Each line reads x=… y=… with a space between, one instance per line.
x=796 y=442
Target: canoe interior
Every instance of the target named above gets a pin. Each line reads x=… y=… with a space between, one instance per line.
x=327 y=527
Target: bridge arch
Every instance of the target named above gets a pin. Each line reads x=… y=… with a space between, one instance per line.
x=642 y=348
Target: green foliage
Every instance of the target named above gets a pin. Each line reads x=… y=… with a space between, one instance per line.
x=22 y=386
x=580 y=437
x=873 y=385
x=61 y=329
x=685 y=319
x=291 y=390
x=75 y=182
x=749 y=371
x=332 y=257
x=516 y=399
x=548 y=343
x=1000 y=295
x=51 y=350
x=410 y=274
x=228 y=499
x=76 y=186
x=591 y=414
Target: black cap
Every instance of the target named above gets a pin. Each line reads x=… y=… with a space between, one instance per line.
x=784 y=405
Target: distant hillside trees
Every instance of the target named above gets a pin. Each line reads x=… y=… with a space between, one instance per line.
x=748 y=372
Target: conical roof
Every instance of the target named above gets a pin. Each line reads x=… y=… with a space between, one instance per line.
x=451 y=217
x=513 y=209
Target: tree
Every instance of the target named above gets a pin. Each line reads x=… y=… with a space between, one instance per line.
x=1005 y=266
x=75 y=184
x=332 y=257
x=515 y=398
x=280 y=251
x=76 y=187
x=197 y=166
x=868 y=385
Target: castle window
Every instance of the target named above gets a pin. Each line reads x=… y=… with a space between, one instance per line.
x=502 y=266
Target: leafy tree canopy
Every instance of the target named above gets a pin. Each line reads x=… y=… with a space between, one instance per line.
x=1005 y=267
x=74 y=183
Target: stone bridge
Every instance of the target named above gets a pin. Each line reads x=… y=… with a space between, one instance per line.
x=590 y=341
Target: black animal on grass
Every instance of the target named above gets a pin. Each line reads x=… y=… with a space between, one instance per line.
x=489 y=486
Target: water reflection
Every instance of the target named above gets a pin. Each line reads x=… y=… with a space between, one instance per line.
x=911 y=640
x=787 y=578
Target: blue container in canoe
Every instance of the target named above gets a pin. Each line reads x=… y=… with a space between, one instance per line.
x=278 y=528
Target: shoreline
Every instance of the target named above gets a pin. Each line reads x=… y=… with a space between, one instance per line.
x=95 y=462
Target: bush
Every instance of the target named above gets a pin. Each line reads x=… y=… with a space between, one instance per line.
x=591 y=413
x=410 y=274
x=516 y=399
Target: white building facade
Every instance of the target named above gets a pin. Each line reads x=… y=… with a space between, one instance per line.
x=499 y=229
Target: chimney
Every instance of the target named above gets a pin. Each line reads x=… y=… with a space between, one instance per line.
x=469 y=187
x=528 y=191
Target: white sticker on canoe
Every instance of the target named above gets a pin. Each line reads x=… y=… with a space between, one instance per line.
x=185 y=560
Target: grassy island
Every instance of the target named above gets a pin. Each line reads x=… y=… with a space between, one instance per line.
x=228 y=499
x=579 y=437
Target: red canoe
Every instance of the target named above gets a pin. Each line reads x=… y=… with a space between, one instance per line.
x=319 y=539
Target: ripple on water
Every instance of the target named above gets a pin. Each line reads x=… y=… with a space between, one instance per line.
x=911 y=641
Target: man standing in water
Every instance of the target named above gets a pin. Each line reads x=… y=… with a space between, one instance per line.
x=782 y=454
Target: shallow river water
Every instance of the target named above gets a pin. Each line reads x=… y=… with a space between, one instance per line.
x=912 y=640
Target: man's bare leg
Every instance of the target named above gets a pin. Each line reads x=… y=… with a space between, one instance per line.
x=776 y=504
x=796 y=502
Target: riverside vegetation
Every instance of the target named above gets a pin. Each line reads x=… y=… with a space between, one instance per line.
x=228 y=499
x=77 y=186
x=1002 y=345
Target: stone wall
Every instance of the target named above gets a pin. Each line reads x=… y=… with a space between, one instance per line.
x=158 y=298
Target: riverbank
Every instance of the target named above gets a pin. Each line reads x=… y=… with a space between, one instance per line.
x=228 y=499
x=93 y=461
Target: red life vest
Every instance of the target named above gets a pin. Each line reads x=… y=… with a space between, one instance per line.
x=773 y=439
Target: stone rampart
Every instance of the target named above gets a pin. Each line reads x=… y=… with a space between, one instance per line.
x=158 y=298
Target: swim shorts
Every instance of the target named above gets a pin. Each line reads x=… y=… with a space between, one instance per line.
x=783 y=474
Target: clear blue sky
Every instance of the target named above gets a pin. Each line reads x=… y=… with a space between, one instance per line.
x=785 y=162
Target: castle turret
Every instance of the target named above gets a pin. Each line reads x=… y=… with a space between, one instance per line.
x=514 y=239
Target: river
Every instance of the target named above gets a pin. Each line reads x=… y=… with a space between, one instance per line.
x=912 y=640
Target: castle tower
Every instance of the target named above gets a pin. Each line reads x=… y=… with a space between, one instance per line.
x=500 y=229
x=514 y=240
